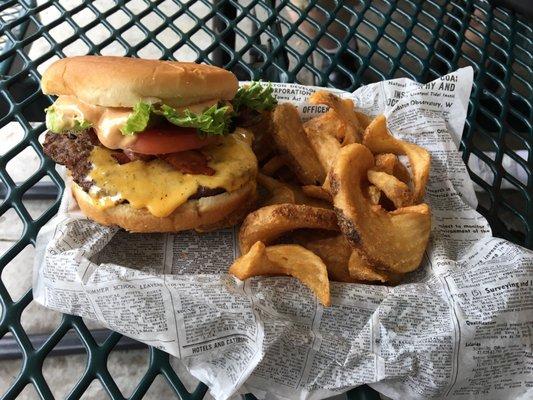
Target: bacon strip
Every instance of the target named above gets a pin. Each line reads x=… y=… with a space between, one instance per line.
x=124 y=157
x=120 y=157
x=189 y=162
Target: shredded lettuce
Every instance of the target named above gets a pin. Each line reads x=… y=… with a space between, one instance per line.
x=215 y=120
x=57 y=122
x=138 y=119
x=256 y=96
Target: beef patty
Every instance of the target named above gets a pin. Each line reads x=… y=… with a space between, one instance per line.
x=73 y=148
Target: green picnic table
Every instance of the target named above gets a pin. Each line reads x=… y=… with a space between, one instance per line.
x=324 y=43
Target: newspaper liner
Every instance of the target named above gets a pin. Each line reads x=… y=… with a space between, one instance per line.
x=459 y=327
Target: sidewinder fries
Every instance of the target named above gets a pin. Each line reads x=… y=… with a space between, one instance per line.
x=362 y=271
x=337 y=194
x=389 y=163
x=345 y=110
x=321 y=132
x=378 y=139
x=291 y=141
x=285 y=259
x=270 y=222
x=331 y=247
x=395 y=190
x=394 y=240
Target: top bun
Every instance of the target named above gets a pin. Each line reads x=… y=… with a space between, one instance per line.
x=123 y=82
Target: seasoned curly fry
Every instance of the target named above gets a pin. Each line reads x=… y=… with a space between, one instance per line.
x=274 y=164
x=362 y=271
x=395 y=190
x=269 y=223
x=378 y=139
x=389 y=163
x=291 y=141
x=285 y=259
x=353 y=131
x=395 y=240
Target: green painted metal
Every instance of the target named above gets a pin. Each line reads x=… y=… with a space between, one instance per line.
x=378 y=40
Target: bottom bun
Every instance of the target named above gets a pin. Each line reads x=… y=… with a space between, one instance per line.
x=204 y=214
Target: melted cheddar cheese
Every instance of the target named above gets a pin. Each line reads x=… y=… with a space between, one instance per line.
x=160 y=188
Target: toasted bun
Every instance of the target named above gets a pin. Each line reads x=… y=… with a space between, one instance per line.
x=204 y=214
x=123 y=82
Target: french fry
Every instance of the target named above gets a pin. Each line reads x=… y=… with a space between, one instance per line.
x=289 y=259
x=394 y=241
x=317 y=192
x=331 y=247
x=281 y=193
x=274 y=164
x=270 y=222
x=345 y=109
x=291 y=141
x=385 y=162
x=374 y=194
x=389 y=163
x=361 y=270
x=254 y=263
x=363 y=119
x=378 y=139
x=395 y=190
x=321 y=132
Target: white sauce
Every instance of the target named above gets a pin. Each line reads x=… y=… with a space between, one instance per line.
x=106 y=121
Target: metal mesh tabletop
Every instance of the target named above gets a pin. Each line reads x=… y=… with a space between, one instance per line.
x=325 y=43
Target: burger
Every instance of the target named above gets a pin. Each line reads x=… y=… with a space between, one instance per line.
x=153 y=146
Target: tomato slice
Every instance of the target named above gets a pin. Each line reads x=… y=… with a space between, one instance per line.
x=169 y=140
